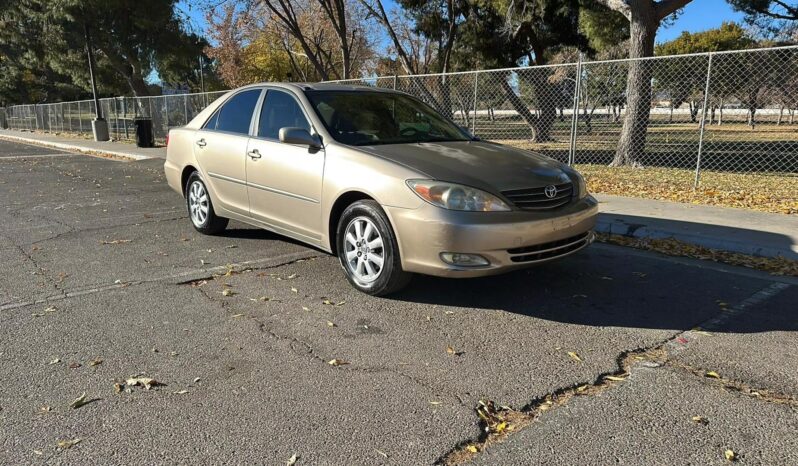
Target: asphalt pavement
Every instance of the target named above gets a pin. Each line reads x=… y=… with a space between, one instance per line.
x=105 y=280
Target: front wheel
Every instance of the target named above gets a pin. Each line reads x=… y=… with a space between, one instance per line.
x=368 y=250
x=200 y=208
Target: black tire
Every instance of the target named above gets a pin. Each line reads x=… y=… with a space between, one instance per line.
x=211 y=224
x=390 y=278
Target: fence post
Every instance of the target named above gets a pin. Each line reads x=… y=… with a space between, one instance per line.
x=124 y=116
x=474 y=117
x=185 y=109
x=703 y=123
x=394 y=82
x=80 y=117
x=575 y=112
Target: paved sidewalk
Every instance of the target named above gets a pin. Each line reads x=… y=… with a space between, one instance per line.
x=735 y=230
x=726 y=229
x=119 y=149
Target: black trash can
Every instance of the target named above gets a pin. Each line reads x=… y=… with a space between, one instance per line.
x=144 y=136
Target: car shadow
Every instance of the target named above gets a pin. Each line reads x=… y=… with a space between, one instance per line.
x=606 y=286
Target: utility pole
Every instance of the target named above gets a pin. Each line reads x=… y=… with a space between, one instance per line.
x=98 y=126
x=202 y=82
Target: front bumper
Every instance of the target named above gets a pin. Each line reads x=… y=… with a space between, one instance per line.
x=509 y=240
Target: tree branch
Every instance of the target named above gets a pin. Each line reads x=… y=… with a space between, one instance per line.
x=666 y=7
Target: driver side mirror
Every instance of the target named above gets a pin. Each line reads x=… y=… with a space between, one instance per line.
x=299 y=136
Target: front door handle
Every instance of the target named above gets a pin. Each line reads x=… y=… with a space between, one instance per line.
x=202 y=143
x=254 y=154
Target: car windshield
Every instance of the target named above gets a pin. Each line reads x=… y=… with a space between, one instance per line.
x=364 y=118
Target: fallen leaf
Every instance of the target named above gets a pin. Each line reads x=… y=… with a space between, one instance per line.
x=305 y=308
x=95 y=362
x=582 y=388
x=67 y=444
x=181 y=392
x=294 y=290
x=292 y=460
x=336 y=362
x=451 y=350
x=235 y=316
x=713 y=374
x=79 y=401
x=74 y=365
x=50 y=309
x=730 y=455
x=45 y=409
x=700 y=420
x=331 y=324
x=326 y=301
x=682 y=340
x=472 y=449
x=574 y=356
x=341 y=303
x=381 y=452
x=55 y=361
x=292 y=276
x=500 y=426
x=435 y=403
x=145 y=382
x=117 y=241
x=614 y=378
x=227 y=292
x=118 y=387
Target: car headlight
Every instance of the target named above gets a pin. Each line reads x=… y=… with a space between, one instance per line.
x=581 y=186
x=456 y=196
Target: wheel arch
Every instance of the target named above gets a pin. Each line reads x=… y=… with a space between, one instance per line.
x=341 y=203
x=187 y=171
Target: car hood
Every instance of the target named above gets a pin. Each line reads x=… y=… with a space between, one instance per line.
x=488 y=166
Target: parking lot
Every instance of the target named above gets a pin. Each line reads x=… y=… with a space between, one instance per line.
x=263 y=352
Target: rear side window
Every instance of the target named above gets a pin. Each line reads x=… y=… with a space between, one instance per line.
x=280 y=110
x=236 y=114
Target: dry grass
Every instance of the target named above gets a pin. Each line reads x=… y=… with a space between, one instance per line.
x=776 y=193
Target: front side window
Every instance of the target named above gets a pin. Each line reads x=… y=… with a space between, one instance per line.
x=363 y=118
x=235 y=115
x=280 y=110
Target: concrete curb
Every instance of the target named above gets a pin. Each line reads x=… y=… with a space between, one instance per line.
x=614 y=224
x=75 y=147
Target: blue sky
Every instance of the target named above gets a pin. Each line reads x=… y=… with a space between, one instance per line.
x=698 y=15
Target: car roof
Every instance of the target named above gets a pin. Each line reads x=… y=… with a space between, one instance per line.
x=328 y=86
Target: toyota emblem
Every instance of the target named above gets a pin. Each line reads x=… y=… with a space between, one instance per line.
x=550 y=191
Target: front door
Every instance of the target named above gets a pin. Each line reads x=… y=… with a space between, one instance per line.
x=284 y=180
x=221 y=147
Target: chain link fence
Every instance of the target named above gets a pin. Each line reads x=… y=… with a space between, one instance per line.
x=166 y=112
x=698 y=115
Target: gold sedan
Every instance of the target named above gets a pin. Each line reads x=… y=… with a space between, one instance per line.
x=380 y=179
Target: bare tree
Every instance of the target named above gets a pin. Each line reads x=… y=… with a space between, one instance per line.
x=645 y=17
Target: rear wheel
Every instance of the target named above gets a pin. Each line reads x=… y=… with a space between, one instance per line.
x=368 y=250
x=200 y=207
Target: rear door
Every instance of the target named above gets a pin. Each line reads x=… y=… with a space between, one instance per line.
x=221 y=148
x=284 y=180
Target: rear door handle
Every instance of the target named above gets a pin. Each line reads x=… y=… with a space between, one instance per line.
x=254 y=154
x=202 y=143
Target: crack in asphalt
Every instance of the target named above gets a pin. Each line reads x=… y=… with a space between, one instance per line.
x=308 y=349
x=195 y=275
x=656 y=355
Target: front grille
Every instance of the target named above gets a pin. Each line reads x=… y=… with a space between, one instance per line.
x=550 y=250
x=536 y=198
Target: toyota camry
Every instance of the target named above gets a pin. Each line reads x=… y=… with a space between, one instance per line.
x=378 y=178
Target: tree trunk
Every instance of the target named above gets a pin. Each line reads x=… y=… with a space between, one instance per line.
x=643 y=29
x=781 y=115
x=670 y=115
x=752 y=117
x=720 y=112
x=792 y=116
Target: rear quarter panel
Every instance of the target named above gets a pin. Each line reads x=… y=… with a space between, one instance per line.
x=179 y=155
